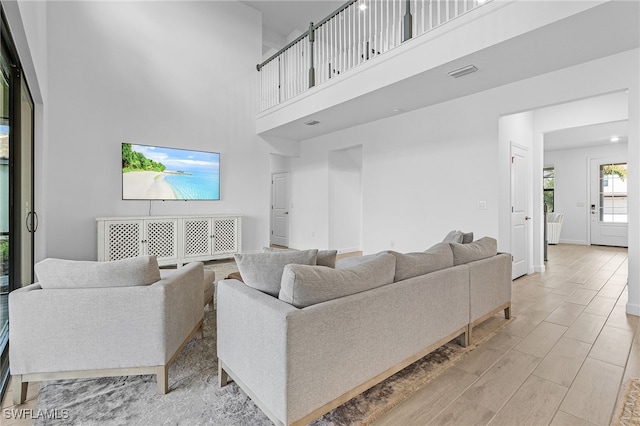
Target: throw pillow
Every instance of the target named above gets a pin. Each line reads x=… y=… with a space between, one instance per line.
x=325 y=257
x=453 y=237
x=59 y=273
x=307 y=285
x=477 y=250
x=467 y=237
x=409 y=265
x=263 y=271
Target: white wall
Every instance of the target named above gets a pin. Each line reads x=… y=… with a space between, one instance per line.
x=571 y=194
x=422 y=176
x=175 y=74
x=345 y=199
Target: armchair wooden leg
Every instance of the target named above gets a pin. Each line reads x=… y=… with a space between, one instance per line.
x=223 y=377
x=19 y=389
x=162 y=379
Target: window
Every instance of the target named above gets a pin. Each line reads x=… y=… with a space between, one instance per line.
x=548 y=185
x=613 y=193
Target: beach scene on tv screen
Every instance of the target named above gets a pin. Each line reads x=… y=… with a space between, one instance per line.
x=157 y=173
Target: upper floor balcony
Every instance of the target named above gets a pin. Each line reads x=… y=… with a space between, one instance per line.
x=375 y=58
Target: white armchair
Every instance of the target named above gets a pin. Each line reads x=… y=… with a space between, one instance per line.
x=65 y=331
x=554 y=226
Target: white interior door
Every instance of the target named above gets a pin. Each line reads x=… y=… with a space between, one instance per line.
x=280 y=209
x=608 y=212
x=520 y=216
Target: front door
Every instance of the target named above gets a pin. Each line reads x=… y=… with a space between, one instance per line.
x=280 y=209
x=608 y=212
x=520 y=215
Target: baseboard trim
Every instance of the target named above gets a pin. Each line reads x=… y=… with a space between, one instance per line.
x=576 y=242
x=633 y=309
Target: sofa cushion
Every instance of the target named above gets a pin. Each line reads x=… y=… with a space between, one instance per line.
x=409 y=265
x=325 y=257
x=480 y=249
x=307 y=285
x=351 y=261
x=453 y=237
x=60 y=273
x=263 y=271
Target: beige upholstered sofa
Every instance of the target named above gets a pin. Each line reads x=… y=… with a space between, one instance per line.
x=305 y=352
x=98 y=319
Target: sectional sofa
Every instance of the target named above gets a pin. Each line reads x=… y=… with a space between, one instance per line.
x=329 y=334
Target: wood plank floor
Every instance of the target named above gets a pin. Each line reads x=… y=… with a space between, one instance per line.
x=561 y=362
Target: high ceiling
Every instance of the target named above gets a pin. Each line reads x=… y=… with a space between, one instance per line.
x=604 y=30
x=284 y=17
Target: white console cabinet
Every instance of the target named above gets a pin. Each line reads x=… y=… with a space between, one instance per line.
x=173 y=239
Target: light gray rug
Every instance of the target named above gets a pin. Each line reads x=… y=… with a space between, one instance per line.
x=195 y=398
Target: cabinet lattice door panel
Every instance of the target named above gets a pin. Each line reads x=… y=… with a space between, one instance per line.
x=174 y=240
x=197 y=237
x=225 y=235
x=162 y=238
x=124 y=240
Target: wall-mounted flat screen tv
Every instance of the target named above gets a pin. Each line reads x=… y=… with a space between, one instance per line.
x=158 y=173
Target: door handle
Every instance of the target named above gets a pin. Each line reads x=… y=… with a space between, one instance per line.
x=31 y=221
x=527 y=218
x=286 y=212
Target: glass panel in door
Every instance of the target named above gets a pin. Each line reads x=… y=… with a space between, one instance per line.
x=608 y=225
x=5 y=78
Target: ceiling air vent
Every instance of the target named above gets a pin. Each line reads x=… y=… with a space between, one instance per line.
x=463 y=71
x=312 y=123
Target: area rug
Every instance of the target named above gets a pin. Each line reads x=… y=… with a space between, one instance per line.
x=195 y=398
x=628 y=410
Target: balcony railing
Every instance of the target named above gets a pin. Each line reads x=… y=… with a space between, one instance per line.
x=355 y=33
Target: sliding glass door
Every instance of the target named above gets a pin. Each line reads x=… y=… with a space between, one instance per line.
x=5 y=79
x=17 y=217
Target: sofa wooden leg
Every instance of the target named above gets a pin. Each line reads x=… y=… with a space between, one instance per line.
x=464 y=339
x=507 y=312
x=223 y=377
x=19 y=389
x=162 y=379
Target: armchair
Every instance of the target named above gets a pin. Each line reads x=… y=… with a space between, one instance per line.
x=97 y=331
x=554 y=227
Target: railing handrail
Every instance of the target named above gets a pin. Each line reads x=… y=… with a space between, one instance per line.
x=306 y=33
x=279 y=52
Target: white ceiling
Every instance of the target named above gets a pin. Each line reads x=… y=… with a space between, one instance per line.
x=283 y=17
x=583 y=136
x=604 y=30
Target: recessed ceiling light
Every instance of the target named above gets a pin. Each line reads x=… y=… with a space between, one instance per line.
x=615 y=139
x=312 y=123
x=363 y=6
x=463 y=71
